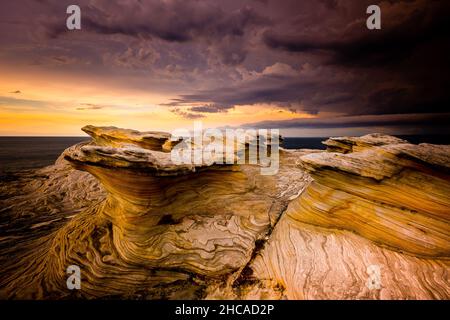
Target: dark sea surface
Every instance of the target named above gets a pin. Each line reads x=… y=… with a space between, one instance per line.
x=19 y=153
x=316 y=143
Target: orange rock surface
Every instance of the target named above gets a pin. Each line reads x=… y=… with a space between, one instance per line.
x=142 y=227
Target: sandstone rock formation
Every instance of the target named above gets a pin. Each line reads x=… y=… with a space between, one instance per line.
x=377 y=201
x=182 y=226
x=142 y=227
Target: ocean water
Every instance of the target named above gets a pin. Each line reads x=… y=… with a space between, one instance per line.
x=20 y=153
x=304 y=143
x=316 y=143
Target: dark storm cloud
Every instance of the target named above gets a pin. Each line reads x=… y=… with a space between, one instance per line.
x=362 y=71
x=197 y=111
x=366 y=48
x=186 y=115
x=331 y=4
x=211 y=108
x=177 y=20
x=410 y=120
x=407 y=100
x=307 y=56
x=393 y=63
x=306 y=89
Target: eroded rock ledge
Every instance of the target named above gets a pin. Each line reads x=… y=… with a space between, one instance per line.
x=376 y=200
x=161 y=223
x=165 y=230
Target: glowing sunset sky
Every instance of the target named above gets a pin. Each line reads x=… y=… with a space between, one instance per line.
x=307 y=67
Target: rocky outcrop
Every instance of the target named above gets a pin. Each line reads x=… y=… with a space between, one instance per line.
x=355 y=144
x=397 y=195
x=378 y=201
x=118 y=138
x=161 y=222
x=141 y=226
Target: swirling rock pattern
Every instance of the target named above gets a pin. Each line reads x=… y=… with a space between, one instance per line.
x=397 y=195
x=377 y=201
x=163 y=229
x=143 y=227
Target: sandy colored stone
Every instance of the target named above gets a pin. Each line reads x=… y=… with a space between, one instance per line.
x=143 y=227
x=385 y=203
x=161 y=223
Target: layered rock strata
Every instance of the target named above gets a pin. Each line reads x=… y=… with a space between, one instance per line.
x=396 y=195
x=143 y=227
x=375 y=201
x=161 y=222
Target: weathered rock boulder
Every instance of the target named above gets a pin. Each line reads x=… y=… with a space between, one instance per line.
x=161 y=222
x=367 y=219
x=379 y=203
